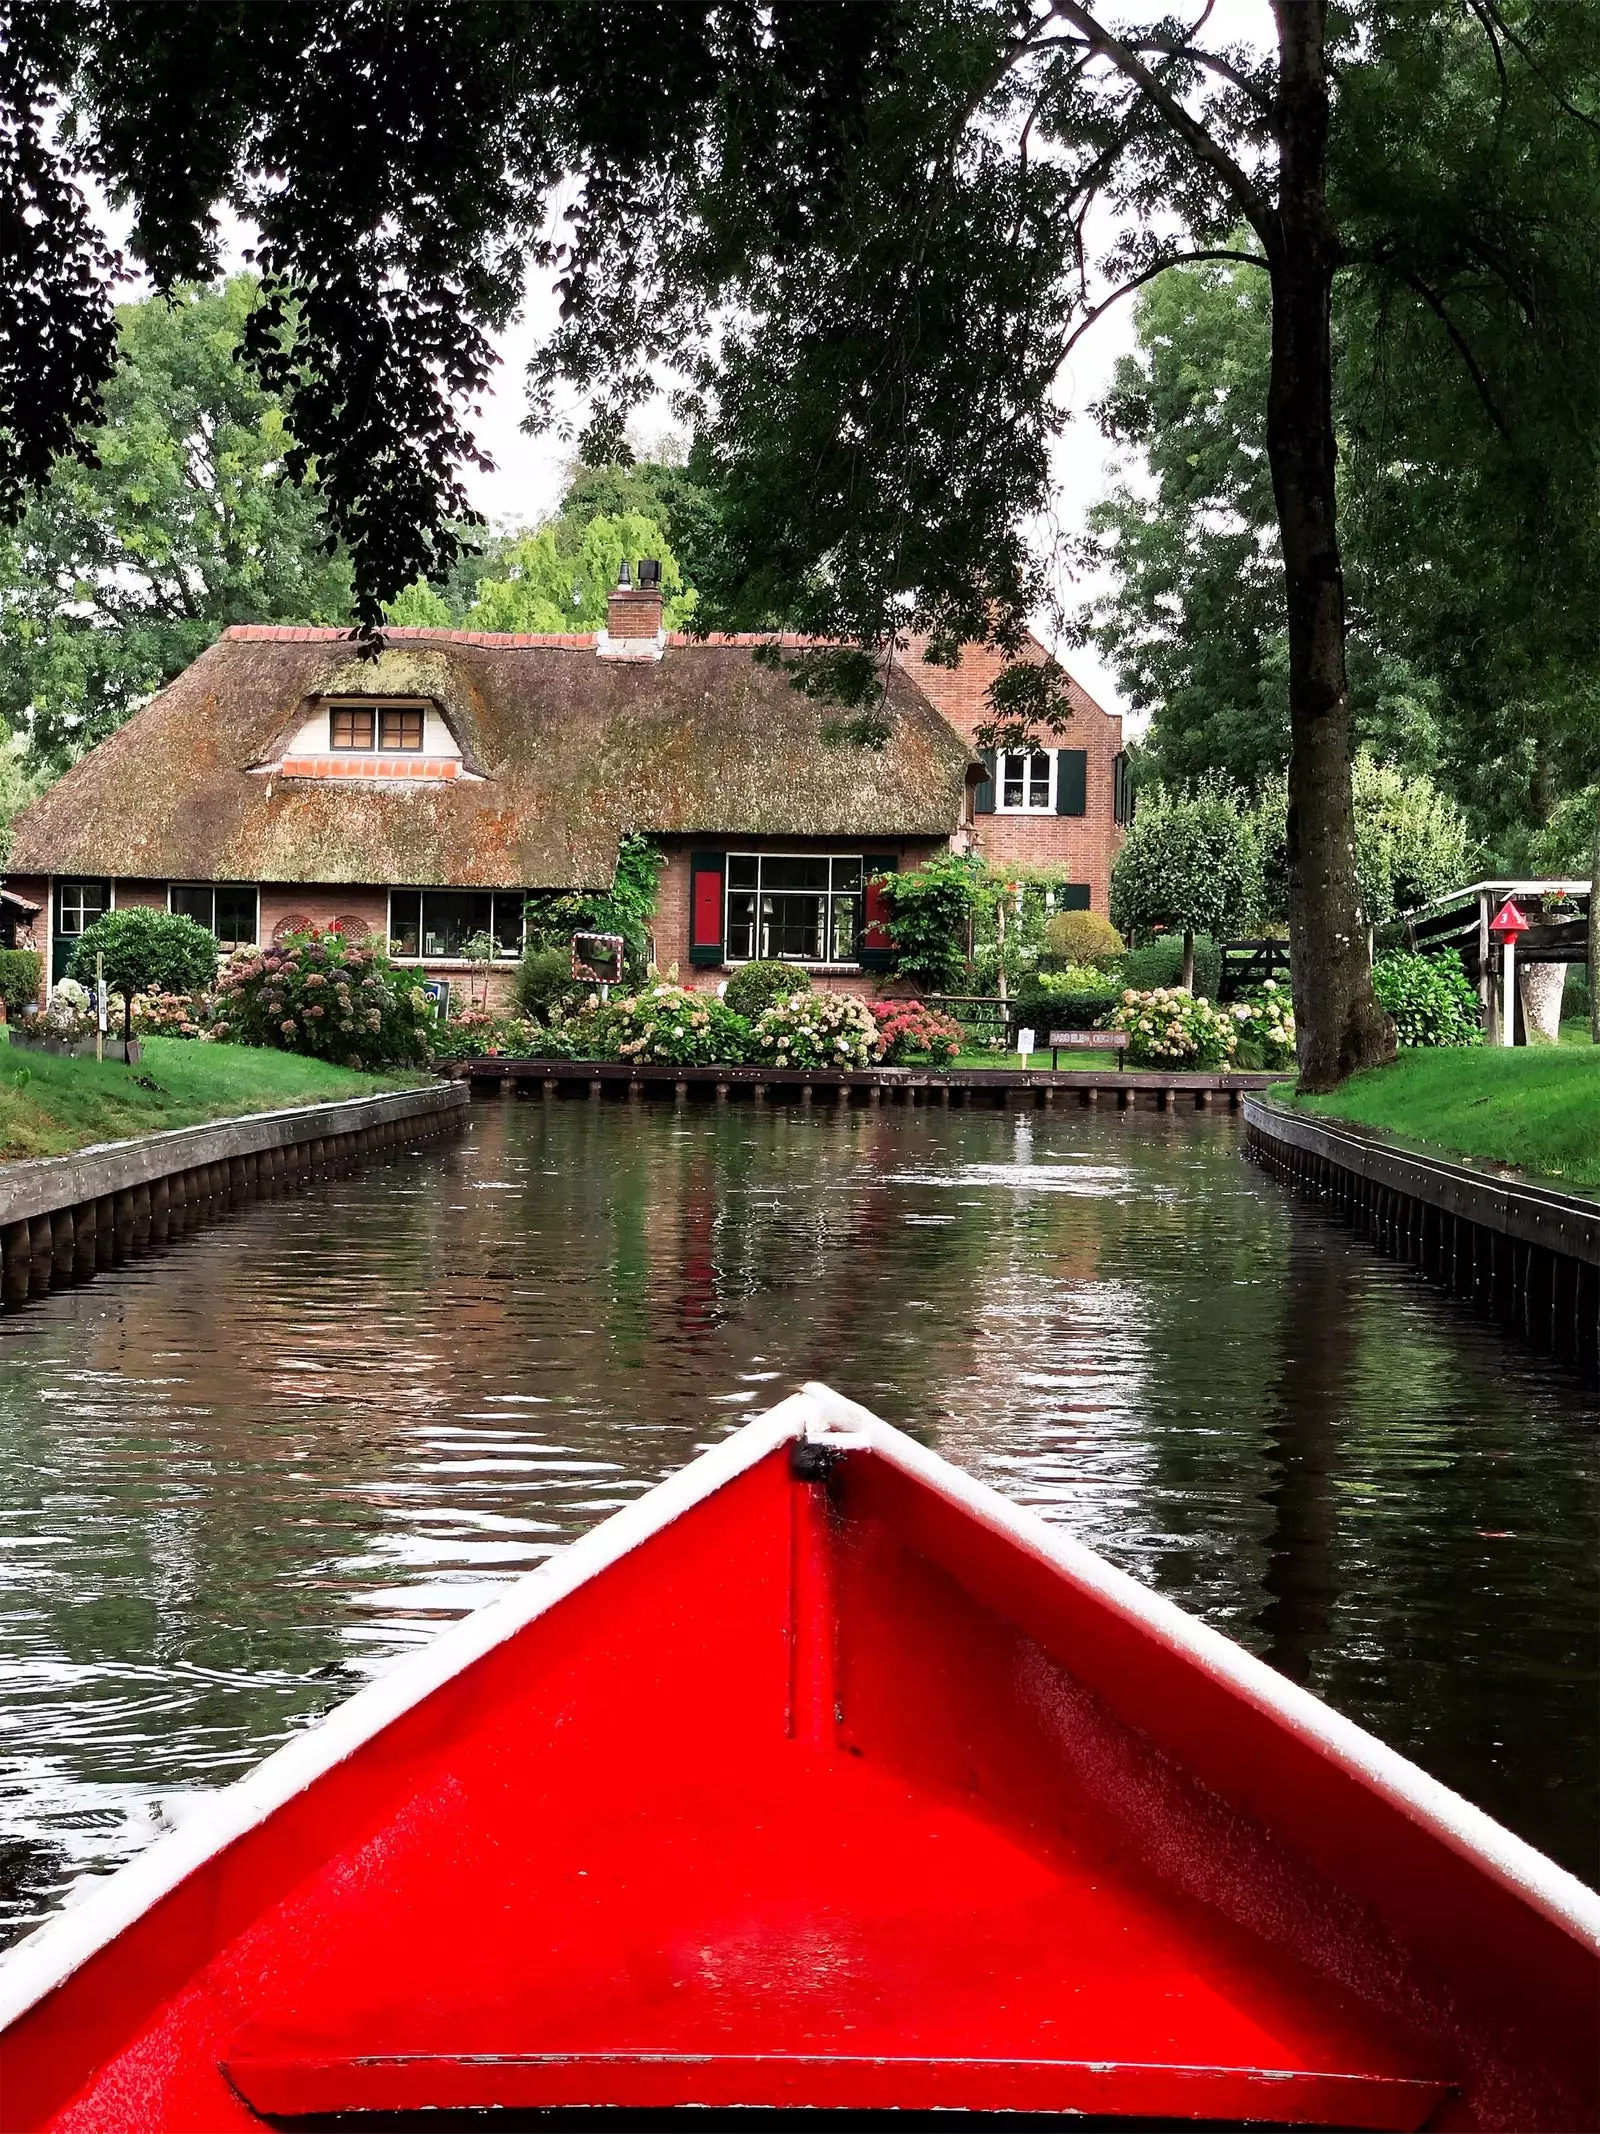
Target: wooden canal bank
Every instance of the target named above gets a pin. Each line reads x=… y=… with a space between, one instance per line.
x=986 y=1087
x=1520 y=1252
x=64 y=1218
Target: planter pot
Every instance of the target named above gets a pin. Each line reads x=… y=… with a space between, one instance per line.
x=77 y=1048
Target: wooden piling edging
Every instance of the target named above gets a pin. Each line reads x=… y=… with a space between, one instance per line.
x=1515 y=1250
x=64 y=1219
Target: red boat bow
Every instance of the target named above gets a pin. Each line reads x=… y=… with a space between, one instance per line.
x=821 y=1776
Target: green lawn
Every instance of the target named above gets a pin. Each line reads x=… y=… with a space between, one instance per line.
x=1536 y=1107
x=1038 y=1062
x=50 y=1105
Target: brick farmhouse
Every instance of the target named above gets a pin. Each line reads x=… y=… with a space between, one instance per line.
x=283 y=781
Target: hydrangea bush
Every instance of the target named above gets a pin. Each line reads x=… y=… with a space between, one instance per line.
x=817 y=1030
x=1172 y=1028
x=909 y=1030
x=1263 y=1024
x=474 y=1033
x=327 y=997
x=160 y=1014
x=672 y=1026
x=1428 y=998
x=68 y=1013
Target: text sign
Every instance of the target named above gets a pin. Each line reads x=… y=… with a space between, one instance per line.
x=1088 y=1040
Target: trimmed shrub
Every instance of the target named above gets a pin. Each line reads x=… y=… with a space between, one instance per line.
x=909 y=1030
x=1082 y=940
x=1074 y=999
x=1172 y=1028
x=1428 y=999
x=755 y=986
x=817 y=1030
x=544 y=984
x=21 y=969
x=143 y=951
x=1263 y=1024
x=327 y=998
x=671 y=1025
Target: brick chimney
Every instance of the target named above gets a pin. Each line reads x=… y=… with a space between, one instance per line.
x=633 y=616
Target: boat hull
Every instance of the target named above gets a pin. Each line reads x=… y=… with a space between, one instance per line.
x=824 y=1777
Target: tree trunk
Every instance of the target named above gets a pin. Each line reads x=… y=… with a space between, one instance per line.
x=1341 y=1027
x=1186 y=978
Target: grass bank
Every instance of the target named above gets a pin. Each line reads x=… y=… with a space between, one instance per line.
x=1538 y=1108
x=50 y=1106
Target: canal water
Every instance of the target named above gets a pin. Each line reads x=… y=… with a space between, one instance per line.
x=239 y=1477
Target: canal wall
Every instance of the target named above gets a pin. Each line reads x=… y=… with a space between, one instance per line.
x=1520 y=1252
x=63 y=1218
x=996 y=1087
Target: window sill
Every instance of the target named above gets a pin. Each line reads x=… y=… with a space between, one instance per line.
x=450 y=963
x=800 y=963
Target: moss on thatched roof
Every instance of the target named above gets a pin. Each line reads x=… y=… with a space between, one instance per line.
x=573 y=751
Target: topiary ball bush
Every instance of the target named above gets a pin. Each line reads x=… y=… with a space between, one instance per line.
x=142 y=950
x=1082 y=939
x=755 y=986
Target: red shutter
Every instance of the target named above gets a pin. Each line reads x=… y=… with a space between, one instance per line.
x=706 y=871
x=876 y=951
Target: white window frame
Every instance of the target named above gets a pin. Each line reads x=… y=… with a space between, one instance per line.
x=812 y=963
x=1025 y=806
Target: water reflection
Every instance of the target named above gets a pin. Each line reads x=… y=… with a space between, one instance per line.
x=239 y=1478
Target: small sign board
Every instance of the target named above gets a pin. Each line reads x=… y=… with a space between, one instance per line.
x=1086 y=1041
x=438 y=991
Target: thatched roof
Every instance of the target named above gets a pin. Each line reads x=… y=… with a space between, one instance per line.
x=572 y=751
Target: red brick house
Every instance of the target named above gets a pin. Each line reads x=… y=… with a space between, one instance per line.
x=282 y=780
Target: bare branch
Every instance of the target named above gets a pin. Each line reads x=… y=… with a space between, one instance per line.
x=1200 y=142
x=1176 y=259
x=1459 y=342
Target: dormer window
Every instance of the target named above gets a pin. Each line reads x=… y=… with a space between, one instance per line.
x=398 y=727
x=372 y=742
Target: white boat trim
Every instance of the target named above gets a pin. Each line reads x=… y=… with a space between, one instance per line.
x=35 y=1966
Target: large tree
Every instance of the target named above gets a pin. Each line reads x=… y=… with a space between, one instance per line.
x=125 y=566
x=878 y=220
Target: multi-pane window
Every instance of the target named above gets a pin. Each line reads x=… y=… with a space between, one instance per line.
x=351 y=725
x=227 y=909
x=78 y=905
x=437 y=924
x=1027 y=782
x=803 y=909
x=400 y=728
x=395 y=726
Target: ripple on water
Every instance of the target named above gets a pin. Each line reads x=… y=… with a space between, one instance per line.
x=242 y=1477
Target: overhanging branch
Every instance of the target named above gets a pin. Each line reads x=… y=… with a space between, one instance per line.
x=1177 y=259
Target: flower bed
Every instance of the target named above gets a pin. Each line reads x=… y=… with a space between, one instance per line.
x=1172 y=1028
x=910 y=1030
x=328 y=998
x=817 y=1030
x=1263 y=1024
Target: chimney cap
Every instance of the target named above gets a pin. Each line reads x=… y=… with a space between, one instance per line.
x=649 y=571
x=622 y=573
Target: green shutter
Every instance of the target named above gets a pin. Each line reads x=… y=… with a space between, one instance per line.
x=706 y=907
x=1072 y=781
x=878 y=954
x=983 y=795
x=1073 y=896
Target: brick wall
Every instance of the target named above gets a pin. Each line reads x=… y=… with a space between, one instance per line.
x=670 y=926
x=1085 y=845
